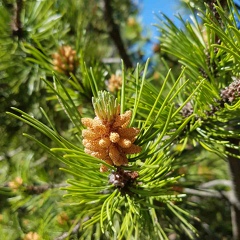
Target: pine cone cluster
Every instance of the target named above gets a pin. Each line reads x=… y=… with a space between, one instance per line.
x=122 y=178
x=65 y=61
x=31 y=236
x=230 y=93
x=187 y=110
x=107 y=136
x=114 y=83
x=16 y=183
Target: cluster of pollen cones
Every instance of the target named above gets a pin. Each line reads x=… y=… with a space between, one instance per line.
x=111 y=140
x=114 y=83
x=64 y=61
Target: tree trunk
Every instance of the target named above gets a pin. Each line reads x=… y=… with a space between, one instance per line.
x=234 y=167
x=114 y=32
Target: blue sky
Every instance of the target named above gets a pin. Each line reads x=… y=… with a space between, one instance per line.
x=168 y=7
x=149 y=8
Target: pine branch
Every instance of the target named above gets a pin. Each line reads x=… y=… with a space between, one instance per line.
x=228 y=195
x=34 y=189
x=204 y=193
x=114 y=33
x=16 y=22
x=103 y=196
x=67 y=234
x=111 y=60
x=216 y=182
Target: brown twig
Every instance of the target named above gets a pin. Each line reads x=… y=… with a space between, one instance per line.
x=33 y=189
x=16 y=21
x=114 y=33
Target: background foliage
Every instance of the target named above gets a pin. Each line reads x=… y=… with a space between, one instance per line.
x=184 y=100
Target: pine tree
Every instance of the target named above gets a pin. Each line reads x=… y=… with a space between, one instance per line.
x=118 y=149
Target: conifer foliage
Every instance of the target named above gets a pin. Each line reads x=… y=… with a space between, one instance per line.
x=118 y=149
